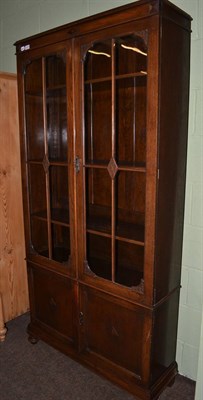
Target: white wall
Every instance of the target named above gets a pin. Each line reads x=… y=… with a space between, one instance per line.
x=22 y=18
x=199 y=385
x=192 y=264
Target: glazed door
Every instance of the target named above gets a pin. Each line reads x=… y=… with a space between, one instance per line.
x=48 y=158
x=114 y=135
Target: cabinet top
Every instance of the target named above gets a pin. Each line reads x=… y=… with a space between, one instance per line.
x=126 y=13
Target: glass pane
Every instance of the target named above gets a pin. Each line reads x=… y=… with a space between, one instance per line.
x=131 y=121
x=131 y=54
x=130 y=207
x=60 y=243
x=129 y=263
x=57 y=125
x=34 y=110
x=39 y=236
x=128 y=110
x=99 y=255
x=98 y=61
x=55 y=71
x=59 y=193
x=38 y=204
x=56 y=108
x=98 y=200
x=33 y=77
x=98 y=122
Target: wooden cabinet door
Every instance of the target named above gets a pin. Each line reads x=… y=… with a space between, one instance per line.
x=115 y=335
x=53 y=306
x=47 y=160
x=116 y=143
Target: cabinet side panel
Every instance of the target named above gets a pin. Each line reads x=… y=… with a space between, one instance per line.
x=174 y=91
x=164 y=337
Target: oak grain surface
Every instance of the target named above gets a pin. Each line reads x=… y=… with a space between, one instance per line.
x=13 y=276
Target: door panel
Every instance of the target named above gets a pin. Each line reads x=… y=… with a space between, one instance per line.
x=113 y=331
x=49 y=149
x=52 y=302
x=114 y=83
x=116 y=143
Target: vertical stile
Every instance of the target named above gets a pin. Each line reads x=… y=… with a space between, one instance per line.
x=92 y=144
x=46 y=155
x=134 y=120
x=113 y=157
x=84 y=147
x=27 y=164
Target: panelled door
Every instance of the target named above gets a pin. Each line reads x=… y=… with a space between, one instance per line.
x=116 y=172
x=48 y=158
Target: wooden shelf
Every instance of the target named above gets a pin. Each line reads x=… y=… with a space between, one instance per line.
x=120 y=76
x=33 y=93
x=58 y=216
x=53 y=94
x=133 y=233
x=41 y=215
x=127 y=232
x=56 y=88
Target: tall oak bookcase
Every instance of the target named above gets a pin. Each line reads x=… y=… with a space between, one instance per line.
x=103 y=124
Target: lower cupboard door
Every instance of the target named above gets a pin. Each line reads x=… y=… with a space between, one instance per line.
x=52 y=304
x=112 y=333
